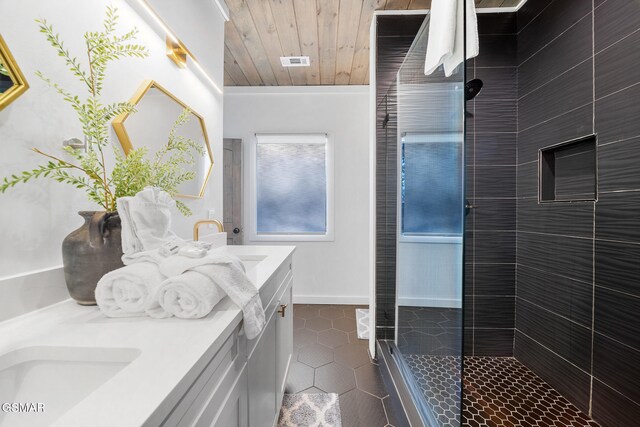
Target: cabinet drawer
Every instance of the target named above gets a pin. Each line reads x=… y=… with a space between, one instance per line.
x=225 y=361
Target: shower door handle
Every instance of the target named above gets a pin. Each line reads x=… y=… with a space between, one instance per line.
x=467 y=207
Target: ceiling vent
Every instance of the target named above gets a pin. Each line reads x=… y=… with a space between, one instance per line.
x=294 y=61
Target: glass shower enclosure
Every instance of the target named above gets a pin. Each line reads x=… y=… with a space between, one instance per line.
x=423 y=117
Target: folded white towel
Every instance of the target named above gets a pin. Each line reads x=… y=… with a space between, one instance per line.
x=178 y=264
x=446 y=35
x=153 y=256
x=222 y=269
x=131 y=291
x=191 y=295
x=146 y=220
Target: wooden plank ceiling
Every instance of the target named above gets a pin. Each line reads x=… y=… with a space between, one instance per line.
x=334 y=34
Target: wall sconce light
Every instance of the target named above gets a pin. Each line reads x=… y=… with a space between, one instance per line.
x=177 y=53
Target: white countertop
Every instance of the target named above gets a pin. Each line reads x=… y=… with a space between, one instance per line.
x=170 y=349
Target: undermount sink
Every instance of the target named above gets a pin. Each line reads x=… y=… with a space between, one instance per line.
x=58 y=377
x=251 y=261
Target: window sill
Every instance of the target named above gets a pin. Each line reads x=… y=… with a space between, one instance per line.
x=291 y=237
x=430 y=239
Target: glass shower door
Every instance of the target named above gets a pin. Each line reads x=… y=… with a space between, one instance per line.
x=430 y=227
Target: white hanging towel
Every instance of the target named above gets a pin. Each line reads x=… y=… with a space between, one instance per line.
x=190 y=295
x=445 y=45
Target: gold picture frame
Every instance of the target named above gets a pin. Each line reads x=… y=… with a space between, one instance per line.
x=119 y=127
x=20 y=84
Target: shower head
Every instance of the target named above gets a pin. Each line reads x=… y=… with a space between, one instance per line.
x=472 y=89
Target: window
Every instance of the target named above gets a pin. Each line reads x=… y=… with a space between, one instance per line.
x=291 y=191
x=431 y=201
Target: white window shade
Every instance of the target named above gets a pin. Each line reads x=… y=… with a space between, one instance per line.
x=431 y=187
x=292 y=179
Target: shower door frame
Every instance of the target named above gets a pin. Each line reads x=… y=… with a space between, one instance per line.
x=372 y=151
x=377 y=349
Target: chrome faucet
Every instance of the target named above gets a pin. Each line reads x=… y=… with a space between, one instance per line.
x=197 y=225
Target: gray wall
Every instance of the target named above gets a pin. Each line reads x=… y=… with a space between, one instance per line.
x=578 y=293
x=491 y=186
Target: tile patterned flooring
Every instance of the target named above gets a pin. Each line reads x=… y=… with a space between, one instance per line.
x=429 y=330
x=328 y=357
x=498 y=392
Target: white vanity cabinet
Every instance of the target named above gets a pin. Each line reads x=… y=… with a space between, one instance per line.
x=270 y=355
x=242 y=384
x=284 y=339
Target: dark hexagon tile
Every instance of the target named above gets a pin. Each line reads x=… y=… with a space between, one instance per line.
x=300 y=377
x=389 y=410
x=315 y=355
x=353 y=339
x=331 y=312
x=334 y=378
x=305 y=312
x=333 y=338
x=349 y=311
x=318 y=324
x=344 y=324
x=313 y=390
x=360 y=409
x=314 y=348
x=298 y=322
x=369 y=379
x=497 y=391
x=351 y=355
x=302 y=337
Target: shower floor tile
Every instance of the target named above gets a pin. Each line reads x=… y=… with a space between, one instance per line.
x=498 y=391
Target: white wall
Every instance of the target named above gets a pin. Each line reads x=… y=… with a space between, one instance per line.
x=34 y=218
x=325 y=272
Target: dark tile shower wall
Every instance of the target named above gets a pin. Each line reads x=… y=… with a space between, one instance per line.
x=491 y=188
x=577 y=288
x=394 y=37
x=491 y=182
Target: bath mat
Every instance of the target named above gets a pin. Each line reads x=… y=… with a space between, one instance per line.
x=362 y=317
x=310 y=409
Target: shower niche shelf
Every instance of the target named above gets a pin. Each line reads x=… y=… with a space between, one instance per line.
x=568 y=171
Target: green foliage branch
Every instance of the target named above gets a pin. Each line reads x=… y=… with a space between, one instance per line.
x=88 y=170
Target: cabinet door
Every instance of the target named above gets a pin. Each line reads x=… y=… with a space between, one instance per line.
x=284 y=339
x=262 y=378
x=234 y=409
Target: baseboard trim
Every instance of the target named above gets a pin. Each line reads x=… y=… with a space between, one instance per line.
x=330 y=299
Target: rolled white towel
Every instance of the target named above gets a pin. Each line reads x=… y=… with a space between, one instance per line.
x=190 y=295
x=131 y=291
x=225 y=270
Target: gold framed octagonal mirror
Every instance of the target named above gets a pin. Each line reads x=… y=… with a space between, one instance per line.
x=156 y=112
x=12 y=81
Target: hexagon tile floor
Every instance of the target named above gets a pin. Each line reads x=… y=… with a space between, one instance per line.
x=498 y=391
x=328 y=357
